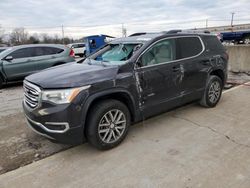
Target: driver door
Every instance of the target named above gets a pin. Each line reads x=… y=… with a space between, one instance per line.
x=159 y=76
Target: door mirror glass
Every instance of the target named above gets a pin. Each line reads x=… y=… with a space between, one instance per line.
x=9 y=58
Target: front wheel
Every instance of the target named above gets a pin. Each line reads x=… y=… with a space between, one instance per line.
x=108 y=124
x=212 y=93
x=1 y=83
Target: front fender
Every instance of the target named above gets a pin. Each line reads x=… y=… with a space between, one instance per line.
x=89 y=101
x=2 y=74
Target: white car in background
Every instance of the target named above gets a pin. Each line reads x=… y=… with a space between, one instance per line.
x=78 y=48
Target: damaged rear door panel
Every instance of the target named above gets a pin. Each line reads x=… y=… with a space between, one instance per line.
x=194 y=65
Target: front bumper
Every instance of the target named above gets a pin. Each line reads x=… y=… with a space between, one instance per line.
x=60 y=123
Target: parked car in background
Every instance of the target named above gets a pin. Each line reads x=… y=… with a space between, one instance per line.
x=124 y=82
x=78 y=48
x=3 y=48
x=20 y=61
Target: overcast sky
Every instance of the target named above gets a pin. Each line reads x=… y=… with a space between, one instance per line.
x=84 y=17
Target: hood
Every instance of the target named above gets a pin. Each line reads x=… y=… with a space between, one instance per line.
x=72 y=75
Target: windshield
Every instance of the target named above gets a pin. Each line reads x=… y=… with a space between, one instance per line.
x=115 y=54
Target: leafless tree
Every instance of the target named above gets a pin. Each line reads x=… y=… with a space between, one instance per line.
x=1 y=34
x=19 y=36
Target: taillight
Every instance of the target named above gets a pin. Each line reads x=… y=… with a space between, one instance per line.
x=72 y=53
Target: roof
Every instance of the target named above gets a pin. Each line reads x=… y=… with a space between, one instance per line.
x=38 y=45
x=145 y=37
x=138 y=38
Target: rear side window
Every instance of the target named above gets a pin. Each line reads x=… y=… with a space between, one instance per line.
x=52 y=50
x=213 y=44
x=41 y=51
x=22 y=53
x=81 y=46
x=188 y=47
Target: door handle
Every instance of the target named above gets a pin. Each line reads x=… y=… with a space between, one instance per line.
x=176 y=69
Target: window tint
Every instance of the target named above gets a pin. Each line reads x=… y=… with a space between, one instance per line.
x=52 y=50
x=38 y=51
x=213 y=43
x=80 y=45
x=161 y=52
x=188 y=47
x=22 y=53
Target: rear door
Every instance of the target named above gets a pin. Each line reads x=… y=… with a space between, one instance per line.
x=159 y=76
x=21 y=65
x=47 y=57
x=194 y=63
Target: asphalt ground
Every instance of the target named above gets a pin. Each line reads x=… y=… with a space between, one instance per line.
x=188 y=147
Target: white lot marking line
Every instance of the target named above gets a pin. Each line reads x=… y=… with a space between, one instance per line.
x=234 y=88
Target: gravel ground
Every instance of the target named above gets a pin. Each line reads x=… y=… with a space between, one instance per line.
x=18 y=144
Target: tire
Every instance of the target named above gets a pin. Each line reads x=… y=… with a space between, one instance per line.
x=1 y=83
x=212 y=93
x=102 y=131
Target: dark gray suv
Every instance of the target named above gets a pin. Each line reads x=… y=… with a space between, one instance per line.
x=126 y=81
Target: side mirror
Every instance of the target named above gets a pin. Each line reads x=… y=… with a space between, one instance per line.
x=9 y=58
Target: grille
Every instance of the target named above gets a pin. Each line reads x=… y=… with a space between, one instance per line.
x=31 y=94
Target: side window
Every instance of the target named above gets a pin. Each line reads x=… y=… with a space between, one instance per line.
x=213 y=43
x=188 y=47
x=38 y=51
x=162 y=52
x=22 y=53
x=51 y=50
x=81 y=45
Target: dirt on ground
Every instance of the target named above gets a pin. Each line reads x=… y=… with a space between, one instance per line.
x=20 y=146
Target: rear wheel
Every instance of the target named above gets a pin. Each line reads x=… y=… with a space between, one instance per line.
x=212 y=92
x=108 y=124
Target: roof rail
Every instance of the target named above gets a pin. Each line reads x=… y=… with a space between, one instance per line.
x=137 y=34
x=174 y=31
x=143 y=33
x=187 y=31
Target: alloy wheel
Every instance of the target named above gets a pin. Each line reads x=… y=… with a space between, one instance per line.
x=214 y=92
x=112 y=126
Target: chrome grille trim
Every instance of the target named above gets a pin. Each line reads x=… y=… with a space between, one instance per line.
x=31 y=94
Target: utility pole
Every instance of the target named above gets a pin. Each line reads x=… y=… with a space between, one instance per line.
x=206 y=23
x=62 y=34
x=124 y=31
x=232 y=19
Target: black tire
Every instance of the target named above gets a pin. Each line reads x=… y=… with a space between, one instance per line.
x=212 y=93
x=1 y=83
x=99 y=129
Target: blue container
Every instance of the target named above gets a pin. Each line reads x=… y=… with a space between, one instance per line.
x=94 y=42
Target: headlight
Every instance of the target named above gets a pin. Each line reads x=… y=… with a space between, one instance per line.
x=62 y=96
